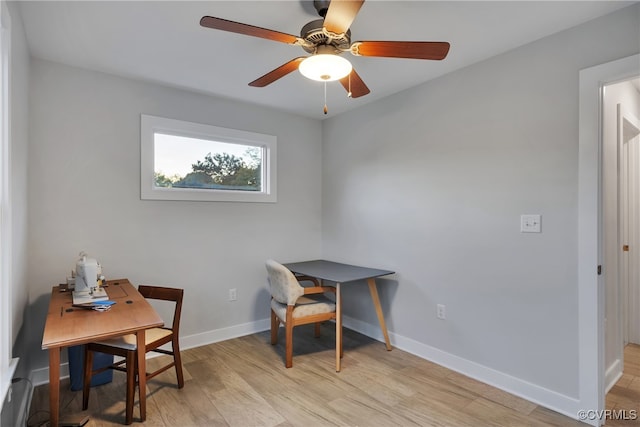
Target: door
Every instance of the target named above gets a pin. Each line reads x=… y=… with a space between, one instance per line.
x=629 y=225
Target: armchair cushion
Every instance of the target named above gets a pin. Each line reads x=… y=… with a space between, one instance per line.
x=305 y=306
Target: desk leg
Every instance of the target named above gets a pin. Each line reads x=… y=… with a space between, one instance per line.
x=142 y=373
x=54 y=386
x=376 y=302
x=338 y=326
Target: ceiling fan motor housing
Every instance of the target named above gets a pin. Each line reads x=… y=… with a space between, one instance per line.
x=316 y=36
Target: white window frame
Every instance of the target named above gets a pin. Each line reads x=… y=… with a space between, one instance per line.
x=7 y=363
x=150 y=125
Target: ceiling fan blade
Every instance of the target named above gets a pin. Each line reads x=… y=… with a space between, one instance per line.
x=248 y=30
x=414 y=50
x=354 y=85
x=278 y=73
x=341 y=14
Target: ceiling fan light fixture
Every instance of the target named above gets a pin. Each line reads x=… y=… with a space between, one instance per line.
x=325 y=67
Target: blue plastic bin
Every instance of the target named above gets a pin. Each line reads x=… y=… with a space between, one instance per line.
x=76 y=366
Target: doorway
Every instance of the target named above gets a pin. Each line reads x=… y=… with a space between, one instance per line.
x=620 y=108
x=628 y=128
x=621 y=395
x=591 y=290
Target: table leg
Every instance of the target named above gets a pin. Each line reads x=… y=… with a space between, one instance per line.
x=338 y=326
x=54 y=386
x=376 y=302
x=142 y=373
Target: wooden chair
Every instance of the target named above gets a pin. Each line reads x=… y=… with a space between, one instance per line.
x=125 y=347
x=293 y=305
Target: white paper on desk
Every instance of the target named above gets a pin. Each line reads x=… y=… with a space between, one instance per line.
x=87 y=297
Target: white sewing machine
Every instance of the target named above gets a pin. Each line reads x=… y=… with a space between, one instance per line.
x=86 y=287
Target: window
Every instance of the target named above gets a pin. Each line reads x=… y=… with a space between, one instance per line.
x=190 y=161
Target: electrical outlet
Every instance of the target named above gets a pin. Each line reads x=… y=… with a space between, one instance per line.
x=233 y=295
x=530 y=223
x=441 y=311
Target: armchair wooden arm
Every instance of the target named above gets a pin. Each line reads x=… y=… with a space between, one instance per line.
x=319 y=290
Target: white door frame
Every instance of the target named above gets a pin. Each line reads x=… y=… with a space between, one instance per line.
x=590 y=286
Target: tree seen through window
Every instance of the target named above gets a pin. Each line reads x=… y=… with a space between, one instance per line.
x=221 y=171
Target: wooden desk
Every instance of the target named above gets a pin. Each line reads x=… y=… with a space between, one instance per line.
x=67 y=326
x=342 y=273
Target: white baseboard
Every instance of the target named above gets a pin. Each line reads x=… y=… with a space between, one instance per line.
x=550 y=399
x=224 y=334
x=41 y=376
x=613 y=374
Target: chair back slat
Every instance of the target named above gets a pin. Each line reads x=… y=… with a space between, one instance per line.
x=166 y=294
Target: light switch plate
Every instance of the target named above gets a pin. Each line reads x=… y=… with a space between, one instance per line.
x=530 y=223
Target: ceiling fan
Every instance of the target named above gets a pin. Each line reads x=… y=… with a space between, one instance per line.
x=326 y=39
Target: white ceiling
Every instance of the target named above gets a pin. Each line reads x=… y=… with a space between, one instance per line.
x=162 y=41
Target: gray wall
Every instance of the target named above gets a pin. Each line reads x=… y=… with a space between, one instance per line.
x=431 y=183
x=84 y=195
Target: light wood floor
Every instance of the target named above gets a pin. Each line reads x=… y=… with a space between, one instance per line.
x=624 y=396
x=243 y=382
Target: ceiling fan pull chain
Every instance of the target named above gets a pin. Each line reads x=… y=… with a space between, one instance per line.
x=349 y=92
x=325 y=98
